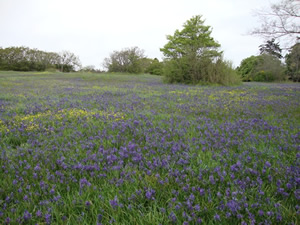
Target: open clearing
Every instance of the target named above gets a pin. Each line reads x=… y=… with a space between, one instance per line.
x=129 y=149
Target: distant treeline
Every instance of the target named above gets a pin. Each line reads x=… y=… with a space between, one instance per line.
x=26 y=59
x=269 y=66
x=132 y=60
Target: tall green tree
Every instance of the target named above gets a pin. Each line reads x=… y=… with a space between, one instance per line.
x=192 y=55
x=264 y=67
x=129 y=60
x=155 y=67
x=271 y=48
x=194 y=40
x=269 y=68
x=247 y=68
x=69 y=61
x=26 y=59
x=293 y=62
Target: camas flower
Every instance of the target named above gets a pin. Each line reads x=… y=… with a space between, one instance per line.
x=114 y=203
x=27 y=215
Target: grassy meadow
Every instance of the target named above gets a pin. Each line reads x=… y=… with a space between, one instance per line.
x=129 y=149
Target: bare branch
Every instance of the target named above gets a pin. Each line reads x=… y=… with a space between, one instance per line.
x=282 y=20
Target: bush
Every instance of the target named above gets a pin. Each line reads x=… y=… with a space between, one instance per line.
x=176 y=71
x=269 y=68
x=246 y=70
x=293 y=63
x=155 y=67
x=262 y=68
x=205 y=71
x=263 y=76
x=129 y=60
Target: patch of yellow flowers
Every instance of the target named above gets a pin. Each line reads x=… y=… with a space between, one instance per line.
x=3 y=127
x=79 y=113
x=233 y=95
x=71 y=114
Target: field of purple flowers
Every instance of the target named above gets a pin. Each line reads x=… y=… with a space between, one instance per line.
x=118 y=149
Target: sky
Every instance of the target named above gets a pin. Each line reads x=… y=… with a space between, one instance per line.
x=92 y=29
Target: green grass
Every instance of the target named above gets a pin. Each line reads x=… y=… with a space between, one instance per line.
x=71 y=143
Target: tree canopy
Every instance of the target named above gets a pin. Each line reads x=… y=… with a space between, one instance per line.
x=271 y=48
x=247 y=68
x=293 y=62
x=128 y=60
x=68 y=61
x=194 y=40
x=193 y=56
x=264 y=67
x=26 y=59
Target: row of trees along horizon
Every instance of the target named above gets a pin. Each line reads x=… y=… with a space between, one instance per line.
x=267 y=66
x=26 y=59
x=191 y=55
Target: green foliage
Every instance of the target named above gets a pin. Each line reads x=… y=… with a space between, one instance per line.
x=247 y=68
x=129 y=60
x=26 y=59
x=293 y=63
x=154 y=67
x=271 y=48
x=193 y=41
x=91 y=69
x=263 y=76
x=192 y=56
x=269 y=68
x=93 y=153
x=264 y=67
x=68 y=61
x=208 y=72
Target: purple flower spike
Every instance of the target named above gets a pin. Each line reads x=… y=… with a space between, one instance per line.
x=212 y=179
x=7 y=220
x=268 y=164
x=172 y=217
x=27 y=215
x=39 y=213
x=217 y=217
x=150 y=194
x=115 y=202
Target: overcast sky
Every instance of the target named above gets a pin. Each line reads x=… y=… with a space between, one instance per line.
x=92 y=29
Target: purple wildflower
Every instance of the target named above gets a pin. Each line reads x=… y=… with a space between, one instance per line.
x=150 y=194
x=197 y=208
x=39 y=213
x=84 y=182
x=115 y=202
x=199 y=221
x=27 y=215
x=48 y=218
x=279 y=218
x=99 y=217
x=261 y=213
x=7 y=220
x=172 y=217
x=37 y=168
x=217 y=217
x=233 y=206
x=202 y=191
x=268 y=164
x=87 y=203
x=212 y=179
